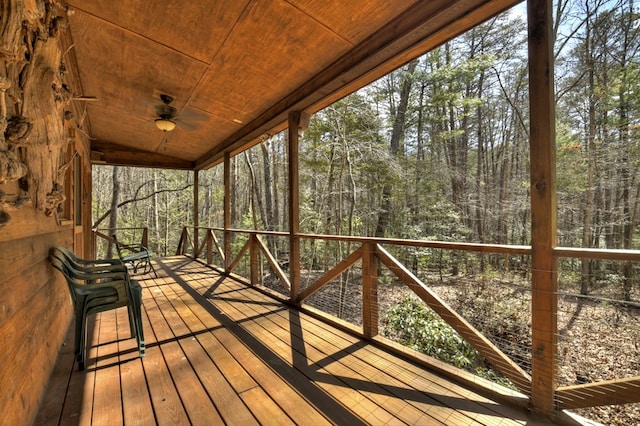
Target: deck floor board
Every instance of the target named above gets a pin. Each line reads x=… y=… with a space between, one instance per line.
x=219 y=352
x=335 y=360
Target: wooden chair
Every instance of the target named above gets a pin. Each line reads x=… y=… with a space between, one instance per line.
x=137 y=256
x=98 y=288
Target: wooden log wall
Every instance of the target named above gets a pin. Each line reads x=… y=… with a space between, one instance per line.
x=45 y=198
x=36 y=311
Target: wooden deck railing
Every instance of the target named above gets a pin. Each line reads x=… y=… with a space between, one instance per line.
x=371 y=253
x=106 y=234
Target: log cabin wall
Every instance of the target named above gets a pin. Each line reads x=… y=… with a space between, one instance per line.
x=35 y=305
x=35 y=313
x=45 y=199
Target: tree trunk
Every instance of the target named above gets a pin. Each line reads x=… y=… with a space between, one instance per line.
x=268 y=199
x=156 y=214
x=628 y=24
x=113 y=217
x=233 y=163
x=479 y=213
x=585 y=275
x=254 y=193
x=394 y=146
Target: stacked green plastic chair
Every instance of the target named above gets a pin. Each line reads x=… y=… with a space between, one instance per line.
x=98 y=286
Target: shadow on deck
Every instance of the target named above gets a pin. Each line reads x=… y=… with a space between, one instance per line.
x=219 y=352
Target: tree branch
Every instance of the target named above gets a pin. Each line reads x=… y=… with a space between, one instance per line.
x=135 y=199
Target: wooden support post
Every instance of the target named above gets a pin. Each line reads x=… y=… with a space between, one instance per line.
x=145 y=237
x=196 y=214
x=227 y=211
x=94 y=245
x=297 y=120
x=369 y=291
x=209 y=240
x=254 y=258
x=543 y=208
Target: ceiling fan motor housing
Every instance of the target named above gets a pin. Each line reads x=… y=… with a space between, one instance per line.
x=165 y=111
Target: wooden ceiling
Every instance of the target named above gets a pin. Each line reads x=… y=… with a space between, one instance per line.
x=237 y=67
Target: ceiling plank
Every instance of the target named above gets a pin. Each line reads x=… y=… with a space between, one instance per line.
x=418 y=30
x=208 y=23
x=269 y=46
x=352 y=23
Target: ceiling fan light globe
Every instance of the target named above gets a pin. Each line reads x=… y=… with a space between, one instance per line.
x=165 y=125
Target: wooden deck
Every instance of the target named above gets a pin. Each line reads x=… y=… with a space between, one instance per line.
x=219 y=352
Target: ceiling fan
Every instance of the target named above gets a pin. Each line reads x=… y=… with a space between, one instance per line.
x=166 y=114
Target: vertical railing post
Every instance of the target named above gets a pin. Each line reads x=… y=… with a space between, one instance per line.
x=544 y=265
x=94 y=244
x=209 y=247
x=179 y=249
x=227 y=211
x=145 y=237
x=196 y=211
x=254 y=258
x=369 y=291
x=297 y=120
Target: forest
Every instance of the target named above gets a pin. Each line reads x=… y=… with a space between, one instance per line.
x=438 y=150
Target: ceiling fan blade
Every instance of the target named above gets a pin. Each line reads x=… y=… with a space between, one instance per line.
x=193 y=114
x=186 y=125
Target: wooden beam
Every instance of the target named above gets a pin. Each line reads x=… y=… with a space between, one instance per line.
x=544 y=265
x=594 y=253
x=254 y=259
x=196 y=218
x=214 y=239
x=105 y=153
x=369 y=291
x=210 y=242
x=294 y=120
x=609 y=392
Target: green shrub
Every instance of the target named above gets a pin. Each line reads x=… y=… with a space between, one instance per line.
x=414 y=325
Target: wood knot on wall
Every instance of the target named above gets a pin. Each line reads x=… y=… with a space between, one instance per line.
x=11 y=168
x=33 y=97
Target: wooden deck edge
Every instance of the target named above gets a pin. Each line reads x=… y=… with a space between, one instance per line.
x=478 y=384
x=469 y=380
